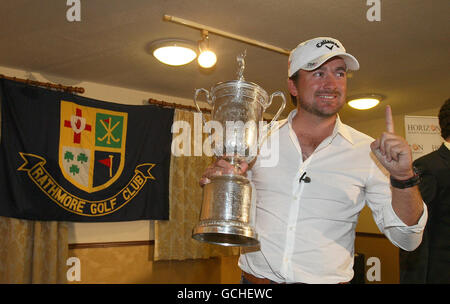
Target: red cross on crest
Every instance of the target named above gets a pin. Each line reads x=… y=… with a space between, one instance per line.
x=78 y=124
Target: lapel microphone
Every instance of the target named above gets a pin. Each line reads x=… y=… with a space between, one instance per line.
x=304 y=178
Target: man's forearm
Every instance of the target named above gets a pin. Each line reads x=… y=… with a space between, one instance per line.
x=407 y=204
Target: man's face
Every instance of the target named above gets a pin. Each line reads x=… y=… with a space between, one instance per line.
x=322 y=91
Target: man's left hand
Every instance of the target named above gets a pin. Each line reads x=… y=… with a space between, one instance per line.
x=393 y=151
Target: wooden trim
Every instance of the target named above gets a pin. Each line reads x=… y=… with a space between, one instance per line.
x=48 y=85
x=369 y=234
x=152 y=242
x=111 y=244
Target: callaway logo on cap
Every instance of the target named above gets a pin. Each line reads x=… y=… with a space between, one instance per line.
x=312 y=53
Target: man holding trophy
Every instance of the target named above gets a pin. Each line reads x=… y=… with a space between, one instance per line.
x=308 y=202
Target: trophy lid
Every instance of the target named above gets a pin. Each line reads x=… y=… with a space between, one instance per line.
x=241 y=62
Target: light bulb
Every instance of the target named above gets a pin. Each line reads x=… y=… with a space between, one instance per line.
x=363 y=103
x=207 y=59
x=174 y=55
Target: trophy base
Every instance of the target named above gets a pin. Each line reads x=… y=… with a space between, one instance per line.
x=225 y=233
x=227 y=215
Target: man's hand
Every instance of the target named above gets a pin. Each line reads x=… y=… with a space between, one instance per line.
x=393 y=151
x=221 y=167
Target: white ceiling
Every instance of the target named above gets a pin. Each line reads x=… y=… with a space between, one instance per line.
x=405 y=56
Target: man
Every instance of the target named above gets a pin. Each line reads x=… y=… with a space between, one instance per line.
x=430 y=262
x=308 y=203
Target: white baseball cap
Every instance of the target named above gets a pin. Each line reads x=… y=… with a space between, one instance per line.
x=312 y=53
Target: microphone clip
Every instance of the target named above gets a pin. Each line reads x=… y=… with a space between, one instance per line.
x=304 y=178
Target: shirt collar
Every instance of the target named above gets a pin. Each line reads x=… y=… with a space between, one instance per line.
x=339 y=127
x=447 y=144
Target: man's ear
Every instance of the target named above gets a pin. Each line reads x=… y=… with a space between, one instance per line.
x=292 y=88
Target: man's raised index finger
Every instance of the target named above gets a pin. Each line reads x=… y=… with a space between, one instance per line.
x=389 y=120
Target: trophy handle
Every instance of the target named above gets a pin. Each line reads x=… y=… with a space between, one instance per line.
x=274 y=119
x=197 y=92
x=283 y=105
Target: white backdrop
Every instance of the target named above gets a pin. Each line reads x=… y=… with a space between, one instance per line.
x=423 y=134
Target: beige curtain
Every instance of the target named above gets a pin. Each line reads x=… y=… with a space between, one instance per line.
x=32 y=251
x=173 y=239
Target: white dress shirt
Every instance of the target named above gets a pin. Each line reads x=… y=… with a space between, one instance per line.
x=307 y=230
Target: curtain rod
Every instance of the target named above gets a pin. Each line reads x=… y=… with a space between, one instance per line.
x=182 y=107
x=176 y=106
x=49 y=85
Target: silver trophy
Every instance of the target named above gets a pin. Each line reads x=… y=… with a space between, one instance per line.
x=227 y=216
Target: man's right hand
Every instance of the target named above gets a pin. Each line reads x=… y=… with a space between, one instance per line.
x=221 y=167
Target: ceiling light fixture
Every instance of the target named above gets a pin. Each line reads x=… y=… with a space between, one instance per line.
x=364 y=101
x=173 y=52
x=207 y=58
x=229 y=35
